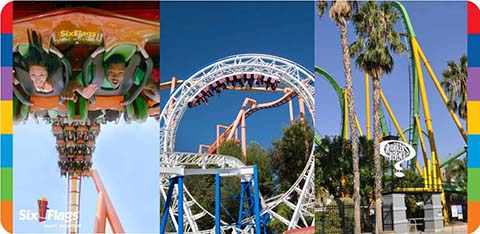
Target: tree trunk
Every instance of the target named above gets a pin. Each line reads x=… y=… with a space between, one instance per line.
x=353 y=129
x=376 y=154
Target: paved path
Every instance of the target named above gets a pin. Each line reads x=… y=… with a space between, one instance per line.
x=455 y=229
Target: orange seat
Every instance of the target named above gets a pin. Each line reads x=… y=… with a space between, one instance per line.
x=152 y=111
x=46 y=103
x=107 y=103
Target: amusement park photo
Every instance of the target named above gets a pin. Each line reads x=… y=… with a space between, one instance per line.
x=390 y=114
x=86 y=109
x=266 y=117
x=236 y=126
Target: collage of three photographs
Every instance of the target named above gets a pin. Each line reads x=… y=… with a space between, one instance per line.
x=240 y=117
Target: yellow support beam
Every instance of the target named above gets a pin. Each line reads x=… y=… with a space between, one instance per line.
x=420 y=190
x=422 y=142
x=367 y=101
x=434 y=172
x=397 y=126
x=394 y=119
x=429 y=168
x=358 y=126
x=425 y=181
x=442 y=93
x=423 y=94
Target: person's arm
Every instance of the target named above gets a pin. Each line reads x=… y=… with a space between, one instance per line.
x=152 y=91
x=76 y=85
x=15 y=80
x=68 y=92
x=88 y=91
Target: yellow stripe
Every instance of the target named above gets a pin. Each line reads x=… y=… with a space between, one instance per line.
x=473 y=125
x=6 y=117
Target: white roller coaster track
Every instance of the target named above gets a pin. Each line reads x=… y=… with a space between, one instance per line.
x=299 y=198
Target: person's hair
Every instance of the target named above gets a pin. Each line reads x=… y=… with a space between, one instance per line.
x=36 y=56
x=115 y=59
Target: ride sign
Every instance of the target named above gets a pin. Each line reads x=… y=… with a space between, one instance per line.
x=86 y=33
x=397 y=151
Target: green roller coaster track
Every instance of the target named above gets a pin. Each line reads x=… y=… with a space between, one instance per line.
x=414 y=95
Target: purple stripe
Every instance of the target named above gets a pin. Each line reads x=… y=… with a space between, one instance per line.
x=474 y=84
x=6 y=83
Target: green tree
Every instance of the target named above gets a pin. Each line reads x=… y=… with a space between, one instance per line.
x=341 y=12
x=202 y=187
x=334 y=157
x=454 y=82
x=230 y=148
x=456 y=177
x=377 y=39
x=256 y=155
x=456 y=173
x=288 y=151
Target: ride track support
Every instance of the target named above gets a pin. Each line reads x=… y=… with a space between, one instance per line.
x=283 y=71
x=431 y=173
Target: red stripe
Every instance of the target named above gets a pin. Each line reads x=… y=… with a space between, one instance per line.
x=7 y=18
x=473 y=18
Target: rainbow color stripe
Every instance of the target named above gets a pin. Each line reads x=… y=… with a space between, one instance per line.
x=473 y=121
x=6 y=118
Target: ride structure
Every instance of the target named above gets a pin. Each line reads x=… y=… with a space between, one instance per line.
x=414 y=134
x=82 y=40
x=246 y=71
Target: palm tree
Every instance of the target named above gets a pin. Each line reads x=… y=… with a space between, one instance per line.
x=454 y=83
x=341 y=12
x=456 y=173
x=456 y=177
x=377 y=39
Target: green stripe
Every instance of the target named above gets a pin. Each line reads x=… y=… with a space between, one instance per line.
x=473 y=188
x=7 y=184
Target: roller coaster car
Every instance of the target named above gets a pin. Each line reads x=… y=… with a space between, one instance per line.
x=90 y=143
x=94 y=129
x=79 y=31
x=26 y=98
x=82 y=130
x=126 y=96
x=241 y=78
x=61 y=142
x=57 y=129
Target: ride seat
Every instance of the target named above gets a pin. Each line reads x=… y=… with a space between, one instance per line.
x=117 y=99
x=27 y=98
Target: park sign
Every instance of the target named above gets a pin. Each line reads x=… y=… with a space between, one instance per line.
x=398 y=151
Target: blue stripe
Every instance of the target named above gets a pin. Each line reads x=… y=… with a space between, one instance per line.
x=473 y=151
x=7 y=153
x=474 y=50
x=7 y=40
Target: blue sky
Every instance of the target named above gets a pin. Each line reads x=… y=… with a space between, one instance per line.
x=126 y=158
x=195 y=34
x=441 y=32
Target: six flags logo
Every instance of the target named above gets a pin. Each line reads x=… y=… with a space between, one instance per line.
x=45 y=214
